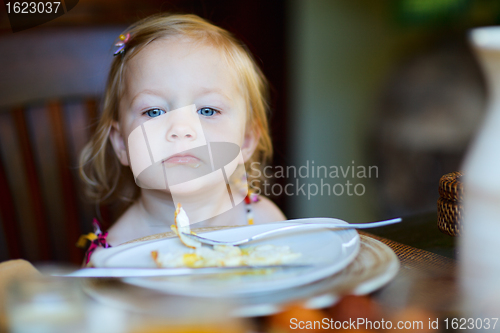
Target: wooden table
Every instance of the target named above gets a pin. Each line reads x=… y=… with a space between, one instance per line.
x=427 y=277
x=428 y=273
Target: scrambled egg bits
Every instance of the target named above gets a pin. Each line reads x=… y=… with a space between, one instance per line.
x=227 y=255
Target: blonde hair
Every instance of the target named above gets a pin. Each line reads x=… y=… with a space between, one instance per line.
x=104 y=176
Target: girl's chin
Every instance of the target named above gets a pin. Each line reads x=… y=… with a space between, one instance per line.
x=191 y=190
x=183 y=180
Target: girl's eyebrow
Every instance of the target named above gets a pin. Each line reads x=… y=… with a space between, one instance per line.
x=208 y=91
x=202 y=92
x=145 y=92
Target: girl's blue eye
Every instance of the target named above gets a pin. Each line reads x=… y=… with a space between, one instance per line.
x=207 y=112
x=155 y=113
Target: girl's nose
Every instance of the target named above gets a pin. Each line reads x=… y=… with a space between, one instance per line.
x=180 y=133
x=181 y=128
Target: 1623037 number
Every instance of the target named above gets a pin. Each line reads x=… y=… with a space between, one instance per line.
x=471 y=323
x=32 y=7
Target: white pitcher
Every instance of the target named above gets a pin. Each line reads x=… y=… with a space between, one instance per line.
x=480 y=241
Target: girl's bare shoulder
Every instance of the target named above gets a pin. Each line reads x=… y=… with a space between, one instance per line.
x=265 y=211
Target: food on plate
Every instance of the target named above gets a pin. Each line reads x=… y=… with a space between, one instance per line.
x=226 y=255
x=220 y=255
x=181 y=221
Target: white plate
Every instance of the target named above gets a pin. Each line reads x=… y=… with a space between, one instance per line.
x=328 y=250
x=374 y=266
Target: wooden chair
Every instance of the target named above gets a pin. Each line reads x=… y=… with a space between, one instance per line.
x=51 y=81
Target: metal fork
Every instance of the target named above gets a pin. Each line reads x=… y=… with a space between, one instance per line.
x=303 y=226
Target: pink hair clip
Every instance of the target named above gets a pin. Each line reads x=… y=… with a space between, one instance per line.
x=121 y=44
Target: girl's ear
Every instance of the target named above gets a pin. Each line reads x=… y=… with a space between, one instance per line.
x=249 y=144
x=118 y=143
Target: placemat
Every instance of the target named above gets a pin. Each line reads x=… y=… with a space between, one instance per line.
x=427 y=280
x=416 y=258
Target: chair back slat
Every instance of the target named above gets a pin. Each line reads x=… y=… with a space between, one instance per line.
x=36 y=199
x=8 y=213
x=68 y=187
x=92 y=114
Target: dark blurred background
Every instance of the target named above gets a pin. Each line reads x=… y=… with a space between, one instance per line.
x=391 y=85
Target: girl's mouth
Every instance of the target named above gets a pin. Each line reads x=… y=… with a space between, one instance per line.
x=180 y=159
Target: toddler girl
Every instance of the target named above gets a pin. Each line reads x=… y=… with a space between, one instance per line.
x=184 y=111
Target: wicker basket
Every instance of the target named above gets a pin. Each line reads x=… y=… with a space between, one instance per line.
x=450 y=204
